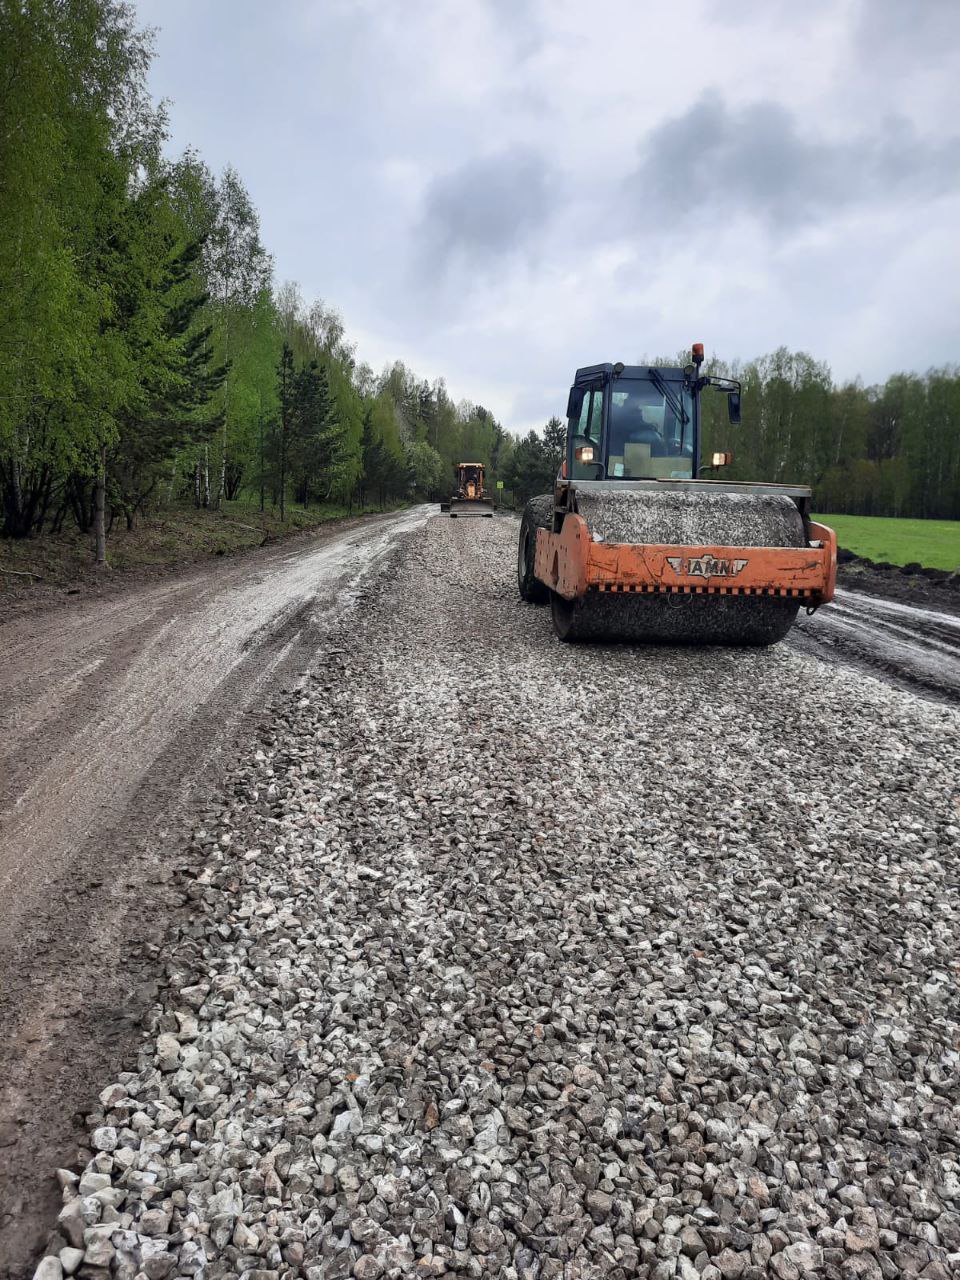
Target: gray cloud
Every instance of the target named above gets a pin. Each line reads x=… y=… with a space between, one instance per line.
x=522 y=21
x=756 y=160
x=486 y=209
x=898 y=33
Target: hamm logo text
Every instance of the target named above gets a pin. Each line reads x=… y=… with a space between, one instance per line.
x=705 y=566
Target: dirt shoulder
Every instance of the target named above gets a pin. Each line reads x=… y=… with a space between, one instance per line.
x=923 y=588
x=36 y=573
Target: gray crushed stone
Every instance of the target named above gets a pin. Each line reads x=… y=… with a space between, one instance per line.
x=513 y=959
x=692 y=519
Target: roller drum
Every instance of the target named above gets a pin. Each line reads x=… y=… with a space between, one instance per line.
x=684 y=519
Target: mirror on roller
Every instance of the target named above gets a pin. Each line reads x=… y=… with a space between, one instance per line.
x=733 y=408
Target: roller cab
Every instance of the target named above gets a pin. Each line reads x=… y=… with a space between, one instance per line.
x=640 y=545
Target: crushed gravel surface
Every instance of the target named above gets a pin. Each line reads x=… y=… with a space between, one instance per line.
x=517 y=959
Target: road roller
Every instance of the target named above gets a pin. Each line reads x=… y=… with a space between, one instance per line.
x=637 y=544
x=471 y=498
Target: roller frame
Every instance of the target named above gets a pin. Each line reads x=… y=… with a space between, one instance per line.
x=572 y=564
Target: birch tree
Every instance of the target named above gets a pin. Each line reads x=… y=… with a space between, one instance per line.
x=238 y=271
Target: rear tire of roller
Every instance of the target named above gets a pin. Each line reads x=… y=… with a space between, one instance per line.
x=538 y=514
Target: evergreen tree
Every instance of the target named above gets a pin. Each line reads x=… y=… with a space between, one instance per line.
x=317 y=435
x=286 y=398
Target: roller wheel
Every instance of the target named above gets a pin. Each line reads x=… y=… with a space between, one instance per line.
x=538 y=514
x=565 y=619
x=683 y=519
x=690 y=620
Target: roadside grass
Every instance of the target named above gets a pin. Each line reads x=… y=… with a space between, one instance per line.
x=171 y=536
x=935 y=544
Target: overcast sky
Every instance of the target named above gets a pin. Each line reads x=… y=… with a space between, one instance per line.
x=498 y=191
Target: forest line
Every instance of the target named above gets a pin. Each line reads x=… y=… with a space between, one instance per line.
x=149 y=357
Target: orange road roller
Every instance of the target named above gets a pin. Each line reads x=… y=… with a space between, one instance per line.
x=635 y=544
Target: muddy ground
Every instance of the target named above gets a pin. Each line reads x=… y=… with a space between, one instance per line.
x=941 y=593
x=57 y=569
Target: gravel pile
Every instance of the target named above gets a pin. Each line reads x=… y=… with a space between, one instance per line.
x=514 y=959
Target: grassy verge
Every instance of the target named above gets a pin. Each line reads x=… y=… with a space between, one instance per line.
x=935 y=544
x=175 y=535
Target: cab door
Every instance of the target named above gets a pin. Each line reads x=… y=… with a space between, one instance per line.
x=585 y=432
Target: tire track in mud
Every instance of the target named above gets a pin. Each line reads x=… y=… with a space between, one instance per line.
x=915 y=649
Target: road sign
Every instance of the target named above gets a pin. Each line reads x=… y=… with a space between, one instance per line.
x=499 y=484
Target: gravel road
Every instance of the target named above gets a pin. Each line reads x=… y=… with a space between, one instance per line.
x=508 y=958
x=114 y=711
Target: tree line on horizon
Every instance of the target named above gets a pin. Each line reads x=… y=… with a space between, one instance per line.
x=887 y=450
x=149 y=358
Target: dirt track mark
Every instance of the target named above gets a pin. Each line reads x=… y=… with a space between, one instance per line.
x=918 y=649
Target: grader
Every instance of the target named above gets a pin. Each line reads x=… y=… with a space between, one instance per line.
x=470 y=498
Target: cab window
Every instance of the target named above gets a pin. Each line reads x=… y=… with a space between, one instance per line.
x=586 y=436
x=591 y=415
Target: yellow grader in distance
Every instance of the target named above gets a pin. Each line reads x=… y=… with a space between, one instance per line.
x=470 y=498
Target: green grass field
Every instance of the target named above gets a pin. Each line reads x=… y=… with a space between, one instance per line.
x=933 y=543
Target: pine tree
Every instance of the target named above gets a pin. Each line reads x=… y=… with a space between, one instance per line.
x=287 y=411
